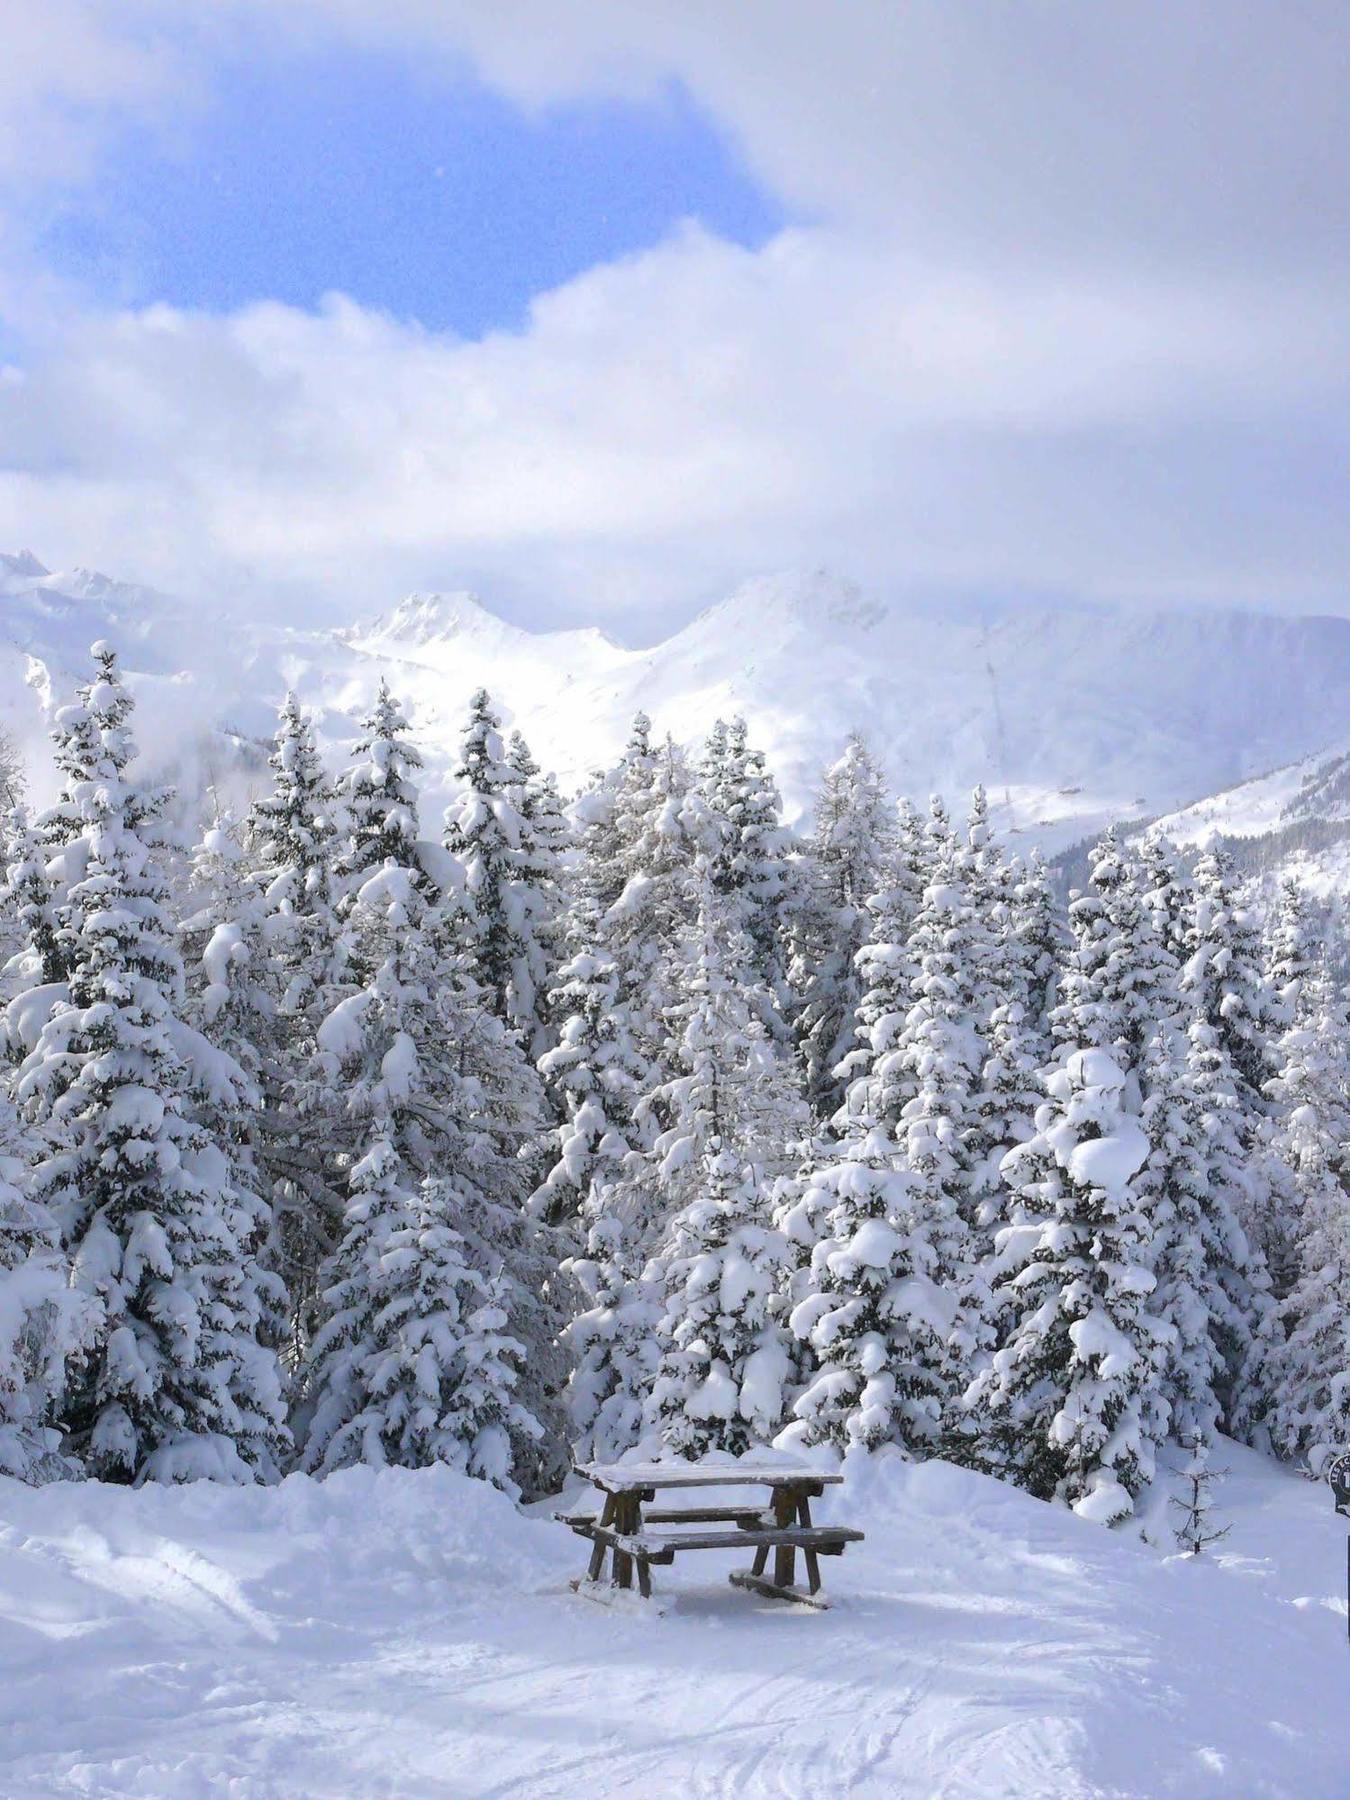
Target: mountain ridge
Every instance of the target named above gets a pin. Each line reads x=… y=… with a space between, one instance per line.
x=1071 y=715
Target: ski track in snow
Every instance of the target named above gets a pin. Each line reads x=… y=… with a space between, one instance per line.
x=410 y=1634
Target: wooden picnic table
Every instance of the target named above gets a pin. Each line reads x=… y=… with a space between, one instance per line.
x=636 y=1535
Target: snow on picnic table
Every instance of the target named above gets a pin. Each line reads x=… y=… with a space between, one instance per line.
x=401 y=1634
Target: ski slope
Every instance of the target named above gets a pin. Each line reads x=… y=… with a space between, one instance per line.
x=406 y=1634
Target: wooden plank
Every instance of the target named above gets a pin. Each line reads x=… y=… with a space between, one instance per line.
x=749 y=1516
x=743 y=1578
x=622 y=1478
x=701 y=1515
x=827 y=1540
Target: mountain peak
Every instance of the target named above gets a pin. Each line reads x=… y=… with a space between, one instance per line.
x=422 y=619
x=22 y=566
x=813 y=598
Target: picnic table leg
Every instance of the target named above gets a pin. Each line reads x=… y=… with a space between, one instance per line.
x=626 y=1522
x=812 y=1560
x=597 y=1561
x=784 y=1557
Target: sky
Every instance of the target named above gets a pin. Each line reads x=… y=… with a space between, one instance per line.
x=602 y=309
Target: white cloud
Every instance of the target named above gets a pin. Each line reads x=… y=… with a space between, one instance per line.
x=1073 y=313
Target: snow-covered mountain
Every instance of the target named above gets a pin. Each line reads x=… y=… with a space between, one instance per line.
x=1294 y=820
x=1071 y=714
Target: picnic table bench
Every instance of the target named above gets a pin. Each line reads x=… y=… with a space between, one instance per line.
x=636 y=1535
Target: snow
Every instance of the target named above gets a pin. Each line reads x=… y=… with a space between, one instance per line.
x=405 y=1633
x=1109 y=1162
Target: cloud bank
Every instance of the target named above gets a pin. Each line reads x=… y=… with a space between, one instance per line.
x=1070 y=314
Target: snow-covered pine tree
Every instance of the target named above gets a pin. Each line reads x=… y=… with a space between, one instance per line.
x=1196 y=1242
x=435 y=1078
x=1223 y=977
x=293 y=844
x=870 y=1304
x=1041 y=936
x=292 y=837
x=420 y=1368
x=1122 y=983
x=612 y=1340
x=231 y=999
x=663 y=830
x=546 y=844
x=1223 y=981
x=1166 y=891
x=1073 y=1404
x=848 y=858
x=883 y=1301
x=884 y=969
x=752 y=857
x=596 y=1074
x=731 y=1087
x=725 y=1361
x=1245 y=1316
x=176 y=1384
x=45 y=1323
x=510 y=876
x=1308 y=1374
x=37 y=942
x=730 y=1091
x=379 y=792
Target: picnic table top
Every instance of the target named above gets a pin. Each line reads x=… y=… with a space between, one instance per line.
x=621 y=1478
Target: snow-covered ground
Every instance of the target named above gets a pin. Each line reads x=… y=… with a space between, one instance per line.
x=408 y=1634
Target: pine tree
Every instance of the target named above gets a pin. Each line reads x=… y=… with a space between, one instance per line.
x=871 y=1305
x=884 y=967
x=292 y=842
x=1198 y=1252
x=1166 y=892
x=599 y=1078
x=729 y=1091
x=612 y=1340
x=1294 y=959
x=751 y=861
x=414 y=1362
x=1308 y=1374
x=1073 y=1404
x=510 y=875
x=545 y=846
x=849 y=852
x=725 y=1362
x=1223 y=977
x=40 y=946
x=176 y=1384
x=1122 y=983
x=1196 y=1530
x=432 y=1074
x=1041 y=937
x=292 y=836
x=379 y=791
x=661 y=834
x=45 y=1326
x=1223 y=981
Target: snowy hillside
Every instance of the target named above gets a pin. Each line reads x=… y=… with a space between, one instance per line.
x=1295 y=820
x=1072 y=715
x=408 y=1633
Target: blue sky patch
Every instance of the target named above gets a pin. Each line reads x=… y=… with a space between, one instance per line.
x=433 y=199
